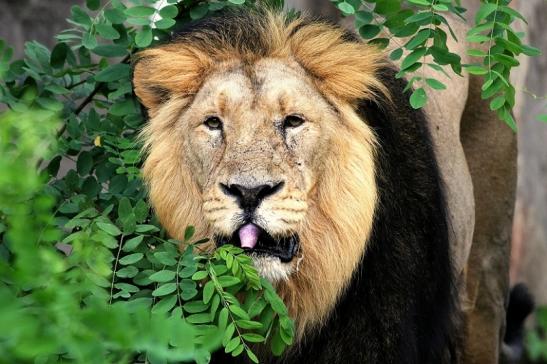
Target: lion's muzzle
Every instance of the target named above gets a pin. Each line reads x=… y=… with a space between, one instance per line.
x=248 y=198
x=258 y=242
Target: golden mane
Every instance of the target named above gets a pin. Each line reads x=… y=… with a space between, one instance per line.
x=341 y=211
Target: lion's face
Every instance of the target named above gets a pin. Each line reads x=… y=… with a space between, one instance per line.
x=255 y=139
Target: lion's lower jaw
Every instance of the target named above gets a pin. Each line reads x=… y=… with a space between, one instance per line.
x=272 y=268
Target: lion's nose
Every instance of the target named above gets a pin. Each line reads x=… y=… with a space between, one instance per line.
x=248 y=198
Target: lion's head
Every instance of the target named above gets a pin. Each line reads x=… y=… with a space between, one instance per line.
x=254 y=139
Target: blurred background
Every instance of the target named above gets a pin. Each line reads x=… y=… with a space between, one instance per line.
x=24 y=20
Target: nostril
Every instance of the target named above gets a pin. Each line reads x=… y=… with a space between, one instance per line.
x=231 y=190
x=250 y=197
x=268 y=190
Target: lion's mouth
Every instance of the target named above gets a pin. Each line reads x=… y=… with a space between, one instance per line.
x=256 y=241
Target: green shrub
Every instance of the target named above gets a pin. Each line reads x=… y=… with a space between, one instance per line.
x=87 y=274
x=106 y=292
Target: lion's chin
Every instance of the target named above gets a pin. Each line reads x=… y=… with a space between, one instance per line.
x=272 y=268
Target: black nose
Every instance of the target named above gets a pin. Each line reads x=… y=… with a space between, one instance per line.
x=248 y=198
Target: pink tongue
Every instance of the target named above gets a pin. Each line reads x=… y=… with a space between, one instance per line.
x=248 y=235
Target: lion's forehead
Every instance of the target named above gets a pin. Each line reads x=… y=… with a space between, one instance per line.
x=268 y=86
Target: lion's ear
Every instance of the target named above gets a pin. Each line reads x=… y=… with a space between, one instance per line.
x=343 y=68
x=174 y=69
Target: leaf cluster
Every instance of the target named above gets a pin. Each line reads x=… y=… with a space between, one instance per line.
x=87 y=273
x=418 y=30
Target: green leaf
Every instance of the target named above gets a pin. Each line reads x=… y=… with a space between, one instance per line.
x=56 y=89
x=257 y=307
x=509 y=61
x=223 y=318
x=145 y=228
x=163 y=276
x=418 y=98
x=188 y=293
x=286 y=337
x=249 y=324
x=165 y=304
x=542 y=118
x=513 y=13
x=476 y=53
x=418 y=39
x=251 y=356
x=232 y=344
x=195 y=307
x=89 y=41
x=164 y=289
x=132 y=243
x=198 y=12
x=479 y=38
x=228 y=281
x=413 y=57
x=238 y=350
x=131 y=258
x=440 y=7
x=253 y=338
x=124 y=207
x=275 y=301
x=169 y=11
x=363 y=17
x=485 y=10
x=199 y=318
x=127 y=272
x=237 y=2
x=487 y=84
x=435 y=84
x=165 y=23
x=140 y=11
x=420 y=2
x=114 y=72
x=396 y=54
x=84 y=163
x=144 y=37
x=166 y=258
x=187 y=272
x=230 y=330
x=497 y=103
x=198 y=276
x=369 y=31
x=239 y=312
x=109 y=228
x=107 y=31
x=208 y=291
x=277 y=344
x=346 y=8
x=476 y=70
x=93 y=4
x=115 y=16
x=189 y=233
x=80 y=17
x=531 y=51
x=127 y=287
x=58 y=55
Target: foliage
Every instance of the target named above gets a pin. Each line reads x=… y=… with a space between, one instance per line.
x=424 y=29
x=86 y=273
x=74 y=306
x=536 y=339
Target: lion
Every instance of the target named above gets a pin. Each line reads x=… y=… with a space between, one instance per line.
x=291 y=138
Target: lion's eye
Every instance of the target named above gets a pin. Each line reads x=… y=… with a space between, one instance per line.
x=213 y=122
x=293 y=121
